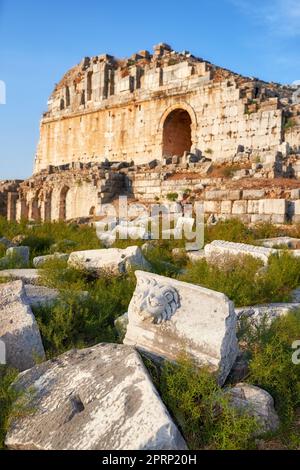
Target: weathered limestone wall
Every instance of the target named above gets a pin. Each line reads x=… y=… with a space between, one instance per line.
x=293 y=138
x=67 y=194
x=249 y=205
x=105 y=108
x=8 y=193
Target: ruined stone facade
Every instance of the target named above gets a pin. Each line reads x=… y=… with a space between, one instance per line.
x=151 y=106
x=158 y=124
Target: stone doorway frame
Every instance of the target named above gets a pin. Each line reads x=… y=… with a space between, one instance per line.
x=194 y=123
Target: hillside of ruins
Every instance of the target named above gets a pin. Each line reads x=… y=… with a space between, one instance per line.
x=157 y=124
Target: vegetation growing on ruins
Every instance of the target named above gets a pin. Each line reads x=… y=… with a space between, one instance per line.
x=12 y=401
x=49 y=237
x=245 y=281
x=86 y=309
x=201 y=409
x=271 y=368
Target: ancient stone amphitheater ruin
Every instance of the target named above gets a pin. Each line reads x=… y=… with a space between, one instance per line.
x=158 y=124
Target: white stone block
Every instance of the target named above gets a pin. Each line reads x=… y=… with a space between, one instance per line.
x=273 y=206
x=18 y=328
x=168 y=317
x=109 y=260
x=219 y=249
x=100 y=398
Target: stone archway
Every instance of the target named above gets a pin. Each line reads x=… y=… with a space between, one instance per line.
x=178 y=129
x=63 y=203
x=177 y=133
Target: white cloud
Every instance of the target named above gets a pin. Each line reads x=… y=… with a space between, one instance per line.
x=281 y=17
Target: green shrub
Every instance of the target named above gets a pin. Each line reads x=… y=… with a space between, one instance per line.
x=242 y=280
x=267 y=230
x=172 y=197
x=271 y=365
x=232 y=230
x=86 y=309
x=2 y=250
x=236 y=278
x=161 y=259
x=12 y=401
x=281 y=277
x=56 y=274
x=201 y=409
x=41 y=238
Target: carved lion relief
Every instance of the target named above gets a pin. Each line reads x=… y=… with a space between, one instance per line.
x=156 y=302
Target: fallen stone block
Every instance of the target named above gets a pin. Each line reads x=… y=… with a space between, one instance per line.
x=259 y=314
x=40 y=296
x=6 y=243
x=28 y=276
x=195 y=256
x=121 y=324
x=111 y=260
x=168 y=317
x=40 y=261
x=20 y=253
x=100 y=398
x=18 y=328
x=288 y=242
x=219 y=248
x=258 y=403
x=253 y=194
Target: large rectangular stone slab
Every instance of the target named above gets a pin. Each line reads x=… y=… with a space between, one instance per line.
x=168 y=317
x=273 y=207
x=108 y=260
x=100 y=398
x=219 y=248
x=28 y=276
x=18 y=328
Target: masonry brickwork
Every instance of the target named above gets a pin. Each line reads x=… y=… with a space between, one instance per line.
x=159 y=124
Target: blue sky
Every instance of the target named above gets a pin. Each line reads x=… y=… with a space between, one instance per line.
x=40 y=40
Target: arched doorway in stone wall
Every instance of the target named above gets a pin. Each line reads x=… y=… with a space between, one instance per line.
x=177 y=133
x=63 y=203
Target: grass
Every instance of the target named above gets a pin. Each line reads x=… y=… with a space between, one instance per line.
x=48 y=237
x=172 y=197
x=201 y=408
x=243 y=280
x=271 y=365
x=13 y=403
x=86 y=309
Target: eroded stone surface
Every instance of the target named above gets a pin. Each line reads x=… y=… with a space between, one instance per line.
x=266 y=313
x=18 y=328
x=168 y=317
x=219 y=249
x=40 y=261
x=28 y=276
x=258 y=403
x=112 y=260
x=40 y=296
x=288 y=242
x=96 y=399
